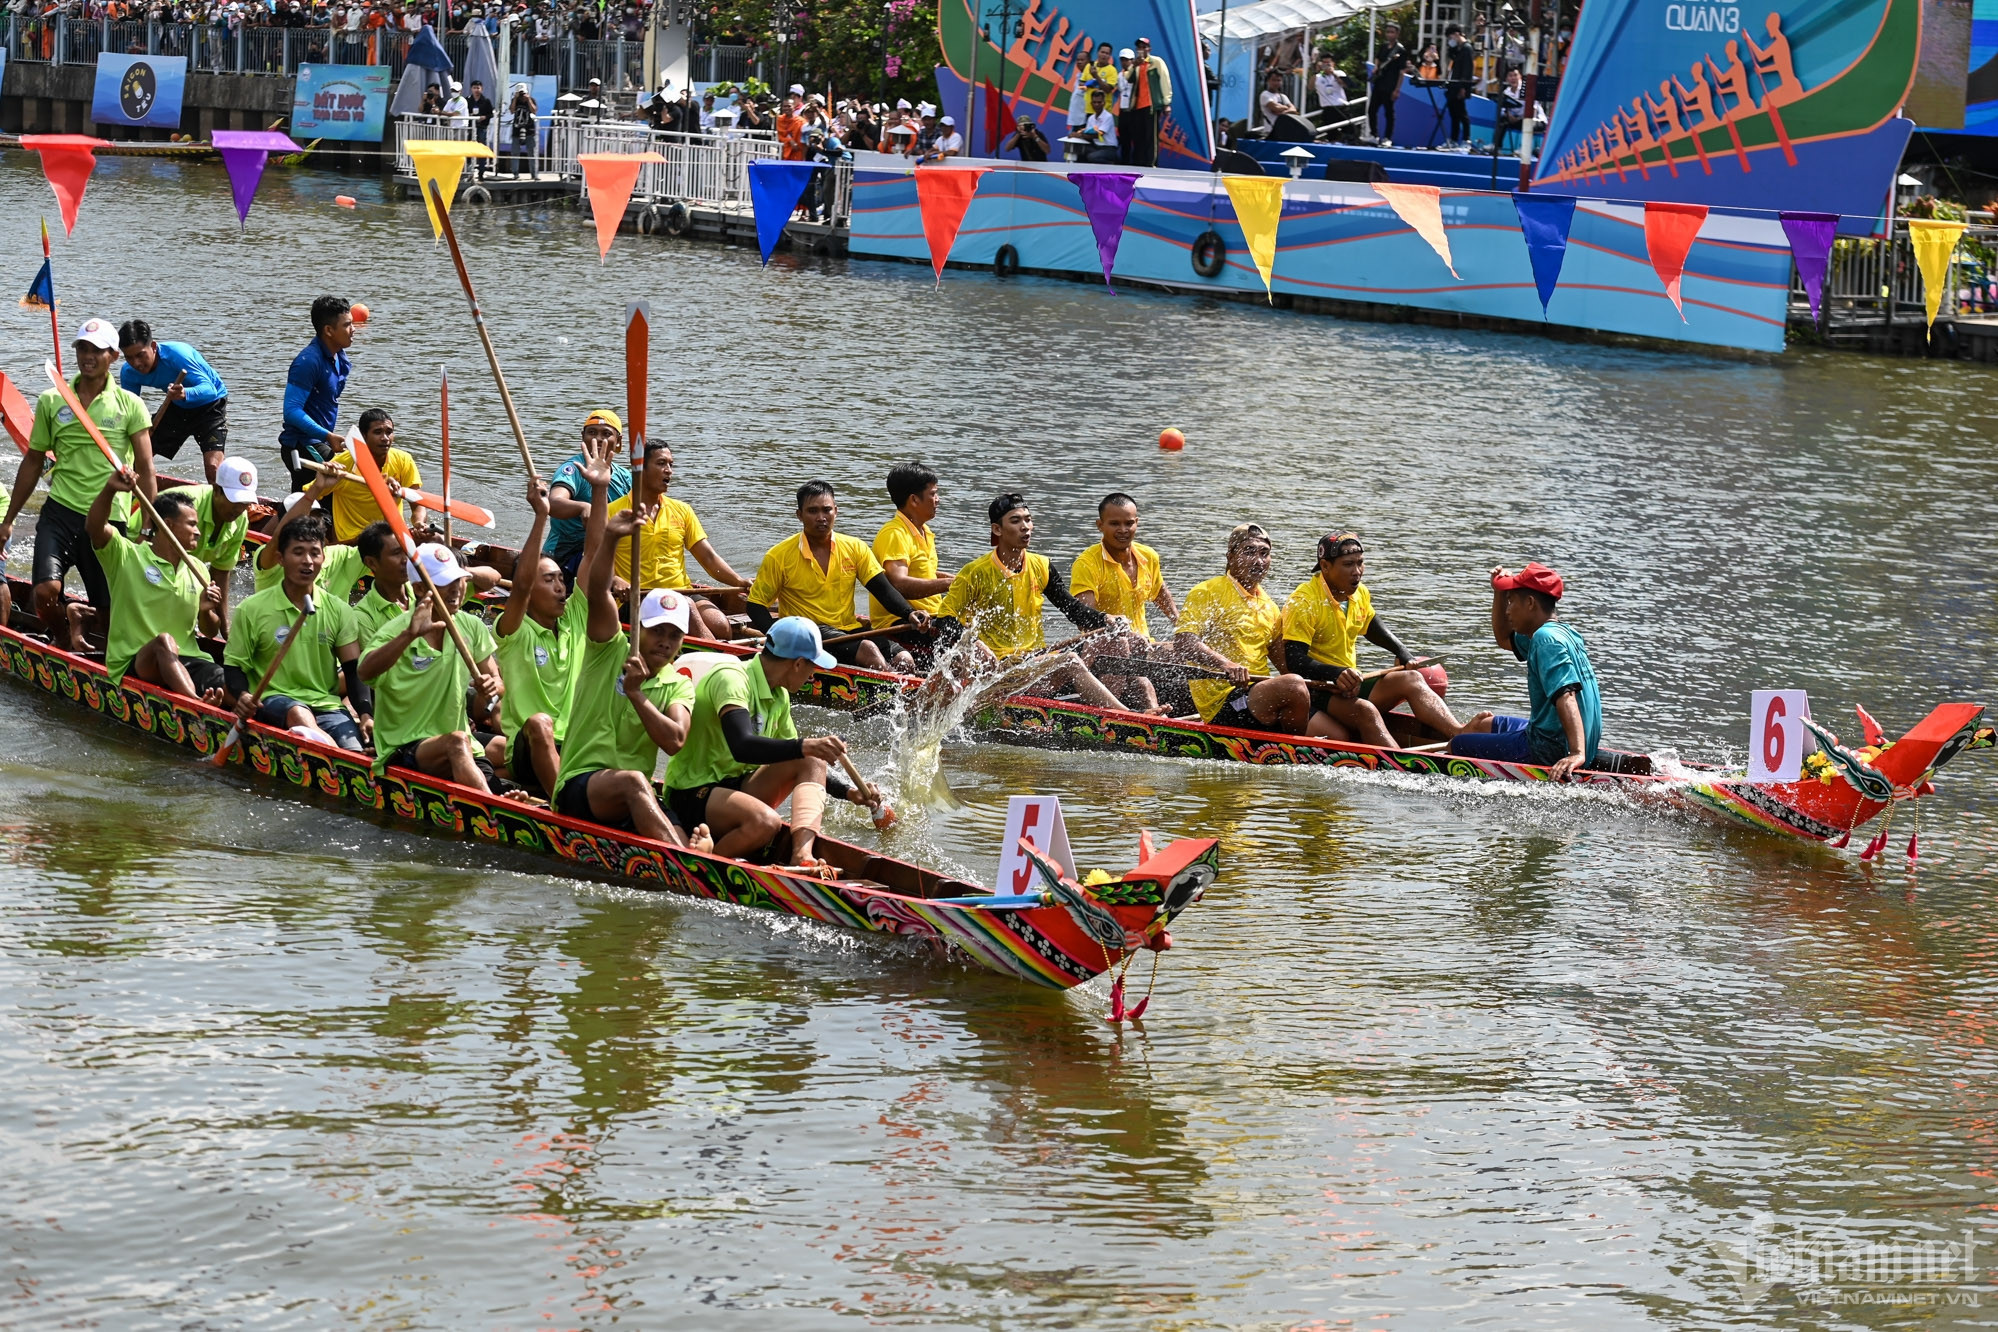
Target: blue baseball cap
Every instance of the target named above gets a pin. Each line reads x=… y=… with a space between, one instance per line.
x=796 y=638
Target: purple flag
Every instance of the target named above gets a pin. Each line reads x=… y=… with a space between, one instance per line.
x=244 y=153
x=1811 y=242
x=1106 y=199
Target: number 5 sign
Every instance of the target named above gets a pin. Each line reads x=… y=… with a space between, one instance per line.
x=1038 y=819
x=1776 y=735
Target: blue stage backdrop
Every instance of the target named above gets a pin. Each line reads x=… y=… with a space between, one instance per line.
x=139 y=90
x=347 y=102
x=1786 y=104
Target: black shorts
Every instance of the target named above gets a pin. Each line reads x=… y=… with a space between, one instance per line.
x=520 y=765
x=1235 y=709
x=203 y=671
x=61 y=545
x=405 y=757
x=843 y=653
x=689 y=805
x=574 y=800
x=207 y=426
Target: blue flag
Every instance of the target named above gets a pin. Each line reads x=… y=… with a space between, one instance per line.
x=427 y=51
x=41 y=295
x=1545 y=219
x=774 y=191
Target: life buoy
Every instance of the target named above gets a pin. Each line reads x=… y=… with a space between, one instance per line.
x=479 y=195
x=1210 y=254
x=678 y=219
x=1006 y=263
x=648 y=220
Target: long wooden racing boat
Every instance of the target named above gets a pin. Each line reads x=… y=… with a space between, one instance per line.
x=1061 y=935
x=1846 y=789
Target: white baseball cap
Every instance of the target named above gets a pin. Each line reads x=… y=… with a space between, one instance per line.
x=950 y=120
x=98 y=333
x=902 y=104
x=798 y=88
x=238 y=480
x=662 y=605
x=1127 y=54
x=439 y=563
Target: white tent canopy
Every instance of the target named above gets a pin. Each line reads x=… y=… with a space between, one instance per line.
x=1279 y=16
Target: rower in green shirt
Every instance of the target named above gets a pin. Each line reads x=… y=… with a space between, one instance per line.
x=626 y=706
x=341 y=569
x=743 y=756
x=541 y=635
x=224 y=510
x=154 y=596
x=421 y=721
x=388 y=564
x=304 y=690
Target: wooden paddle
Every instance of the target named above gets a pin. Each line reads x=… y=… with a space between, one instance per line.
x=637 y=363
x=882 y=813
x=97 y=436
x=485 y=338
x=221 y=755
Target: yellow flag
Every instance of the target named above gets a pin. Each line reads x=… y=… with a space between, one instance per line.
x=441 y=160
x=1934 y=243
x=1258 y=204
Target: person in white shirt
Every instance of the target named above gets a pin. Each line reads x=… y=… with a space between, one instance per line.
x=457 y=111
x=1326 y=83
x=949 y=143
x=1100 y=128
x=1271 y=102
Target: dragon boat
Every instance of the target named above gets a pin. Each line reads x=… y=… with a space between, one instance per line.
x=1062 y=934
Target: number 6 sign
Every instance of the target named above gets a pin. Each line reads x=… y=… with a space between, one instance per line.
x=1776 y=735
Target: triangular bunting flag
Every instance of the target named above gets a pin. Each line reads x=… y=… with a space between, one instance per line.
x=67 y=161
x=1544 y=220
x=1421 y=206
x=244 y=153
x=1934 y=243
x=1811 y=236
x=1669 y=229
x=1258 y=202
x=441 y=160
x=609 y=178
x=996 y=118
x=943 y=194
x=774 y=190
x=1106 y=201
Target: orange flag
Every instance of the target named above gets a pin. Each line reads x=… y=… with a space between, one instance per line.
x=1669 y=230
x=1421 y=206
x=610 y=178
x=943 y=194
x=67 y=161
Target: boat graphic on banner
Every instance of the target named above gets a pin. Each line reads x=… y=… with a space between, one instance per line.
x=1776 y=105
x=1044 y=42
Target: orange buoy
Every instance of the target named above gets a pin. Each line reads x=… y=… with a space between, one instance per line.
x=344 y=200
x=360 y=312
x=1171 y=440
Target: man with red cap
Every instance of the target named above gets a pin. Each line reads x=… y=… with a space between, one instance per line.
x=1566 y=725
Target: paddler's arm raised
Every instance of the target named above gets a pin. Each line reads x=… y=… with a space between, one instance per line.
x=600 y=533
x=322 y=486
x=523 y=583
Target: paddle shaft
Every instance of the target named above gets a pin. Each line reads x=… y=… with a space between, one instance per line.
x=1140 y=666
x=417 y=498
x=860 y=635
x=90 y=424
x=450 y=618
x=257 y=694
x=485 y=338
x=444 y=404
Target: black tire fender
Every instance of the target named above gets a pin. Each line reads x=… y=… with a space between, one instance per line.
x=1209 y=254
x=1006 y=263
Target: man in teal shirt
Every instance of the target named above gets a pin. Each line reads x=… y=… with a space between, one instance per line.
x=1565 y=728
x=61 y=544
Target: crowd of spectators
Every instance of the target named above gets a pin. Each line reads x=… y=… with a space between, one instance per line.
x=542 y=21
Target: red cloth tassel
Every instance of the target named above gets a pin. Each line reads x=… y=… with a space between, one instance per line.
x=1874 y=847
x=1844 y=839
x=1914 y=847
x=1117 y=1001
x=1139 y=1011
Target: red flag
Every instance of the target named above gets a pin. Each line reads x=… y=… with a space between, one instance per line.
x=67 y=161
x=1669 y=229
x=942 y=195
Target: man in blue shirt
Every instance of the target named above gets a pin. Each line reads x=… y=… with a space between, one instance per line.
x=1566 y=726
x=196 y=405
x=312 y=391
x=569 y=493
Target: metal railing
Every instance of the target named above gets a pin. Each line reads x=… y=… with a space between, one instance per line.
x=1877 y=282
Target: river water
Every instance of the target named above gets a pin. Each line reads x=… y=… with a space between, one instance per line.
x=1425 y=1055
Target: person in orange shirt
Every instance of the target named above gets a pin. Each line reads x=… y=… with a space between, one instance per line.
x=1151 y=103
x=791 y=126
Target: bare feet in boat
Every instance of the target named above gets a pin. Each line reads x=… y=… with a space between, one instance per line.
x=701 y=839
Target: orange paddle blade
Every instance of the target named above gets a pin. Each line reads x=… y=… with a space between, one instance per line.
x=364 y=463
x=459 y=509
x=15 y=412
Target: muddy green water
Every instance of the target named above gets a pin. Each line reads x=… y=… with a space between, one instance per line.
x=1426 y=1056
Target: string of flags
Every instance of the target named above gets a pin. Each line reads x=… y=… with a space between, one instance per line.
x=944 y=195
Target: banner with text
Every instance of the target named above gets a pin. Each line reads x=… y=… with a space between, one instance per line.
x=347 y=102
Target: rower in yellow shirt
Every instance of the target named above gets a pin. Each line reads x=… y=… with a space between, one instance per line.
x=999 y=597
x=815 y=574
x=1323 y=623
x=674 y=533
x=354 y=505
x=1120 y=576
x=1230 y=623
x=907 y=551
